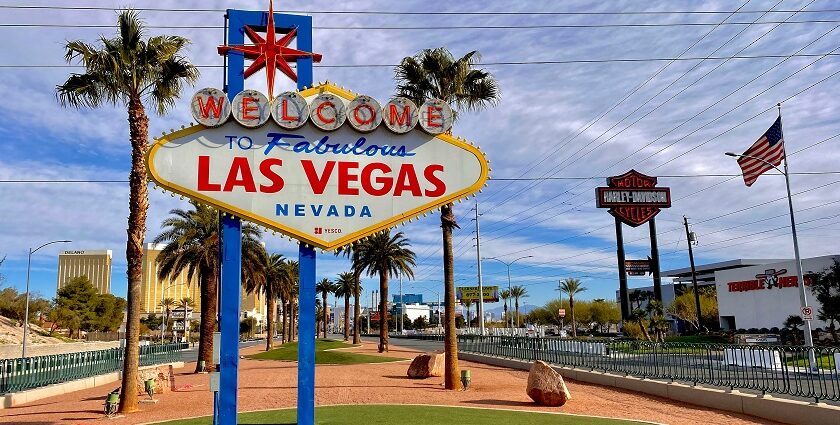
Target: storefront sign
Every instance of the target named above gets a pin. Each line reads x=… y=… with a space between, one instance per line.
x=637 y=267
x=312 y=176
x=633 y=197
x=770 y=279
x=470 y=293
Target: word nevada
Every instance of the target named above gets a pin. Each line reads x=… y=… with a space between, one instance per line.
x=326 y=111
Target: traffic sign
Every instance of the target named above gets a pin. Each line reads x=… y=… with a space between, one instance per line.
x=562 y=312
x=807 y=313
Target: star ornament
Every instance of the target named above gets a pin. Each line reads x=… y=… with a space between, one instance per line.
x=271 y=53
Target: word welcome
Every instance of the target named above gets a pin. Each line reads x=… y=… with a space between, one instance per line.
x=326 y=111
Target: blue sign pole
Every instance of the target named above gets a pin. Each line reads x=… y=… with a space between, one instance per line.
x=231 y=252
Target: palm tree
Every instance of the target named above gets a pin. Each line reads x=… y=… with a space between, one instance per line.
x=269 y=283
x=192 y=246
x=468 y=305
x=516 y=293
x=387 y=256
x=185 y=304
x=505 y=295
x=166 y=304
x=130 y=71
x=289 y=274
x=435 y=73
x=571 y=287
x=325 y=287
x=350 y=251
x=344 y=288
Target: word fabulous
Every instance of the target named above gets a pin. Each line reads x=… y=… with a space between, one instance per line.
x=326 y=111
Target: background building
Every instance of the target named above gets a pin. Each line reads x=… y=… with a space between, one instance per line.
x=154 y=290
x=95 y=264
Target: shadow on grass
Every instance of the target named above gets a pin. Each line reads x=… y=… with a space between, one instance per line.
x=493 y=402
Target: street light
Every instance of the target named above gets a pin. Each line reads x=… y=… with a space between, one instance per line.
x=508 y=264
x=803 y=300
x=26 y=309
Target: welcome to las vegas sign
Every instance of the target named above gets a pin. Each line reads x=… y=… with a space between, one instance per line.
x=323 y=165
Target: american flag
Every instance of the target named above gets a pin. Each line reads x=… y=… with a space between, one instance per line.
x=770 y=147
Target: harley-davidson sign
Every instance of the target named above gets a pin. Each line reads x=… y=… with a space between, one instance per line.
x=317 y=165
x=633 y=197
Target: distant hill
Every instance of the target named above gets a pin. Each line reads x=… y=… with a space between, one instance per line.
x=11 y=332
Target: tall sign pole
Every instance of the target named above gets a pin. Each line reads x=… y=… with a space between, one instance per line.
x=654 y=254
x=622 y=271
x=690 y=241
x=478 y=268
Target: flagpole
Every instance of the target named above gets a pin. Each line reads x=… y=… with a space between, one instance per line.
x=803 y=299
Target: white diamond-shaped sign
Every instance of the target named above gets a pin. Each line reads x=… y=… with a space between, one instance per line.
x=323 y=188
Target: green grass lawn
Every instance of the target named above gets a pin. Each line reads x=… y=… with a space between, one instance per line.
x=826 y=361
x=411 y=415
x=289 y=350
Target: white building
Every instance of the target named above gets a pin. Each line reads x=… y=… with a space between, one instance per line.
x=763 y=296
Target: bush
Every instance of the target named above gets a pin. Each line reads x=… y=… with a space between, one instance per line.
x=632 y=330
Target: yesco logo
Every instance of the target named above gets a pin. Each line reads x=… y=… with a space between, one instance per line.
x=326 y=111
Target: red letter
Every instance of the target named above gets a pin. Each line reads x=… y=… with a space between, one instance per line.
x=385 y=181
x=407 y=180
x=211 y=105
x=274 y=178
x=440 y=186
x=321 y=117
x=204 y=176
x=344 y=178
x=401 y=119
x=286 y=116
x=359 y=119
x=318 y=183
x=432 y=115
x=240 y=166
x=246 y=110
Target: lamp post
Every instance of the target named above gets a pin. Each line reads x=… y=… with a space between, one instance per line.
x=508 y=264
x=26 y=309
x=803 y=299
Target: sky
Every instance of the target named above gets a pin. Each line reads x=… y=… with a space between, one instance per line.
x=562 y=127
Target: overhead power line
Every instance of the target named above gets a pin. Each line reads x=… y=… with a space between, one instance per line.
x=435 y=13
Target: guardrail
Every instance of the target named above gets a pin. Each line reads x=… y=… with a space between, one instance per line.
x=34 y=372
x=769 y=369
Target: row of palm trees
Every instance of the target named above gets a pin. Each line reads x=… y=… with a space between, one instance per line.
x=515 y=293
x=133 y=71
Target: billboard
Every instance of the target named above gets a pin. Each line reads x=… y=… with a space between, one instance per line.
x=491 y=293
x=633 y=197
x=323 y=165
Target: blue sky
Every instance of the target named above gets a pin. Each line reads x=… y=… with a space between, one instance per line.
x=552 y=122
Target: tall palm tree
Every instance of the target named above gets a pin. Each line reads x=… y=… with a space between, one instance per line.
x=192 y=247
x=505 y=295
x=344 y=288
x=468 y=304
x=289 y=274
x=516 y=293
x=435 y=73
x=325 y=287
x=268 y=283
x=185 y=304
x=132 y=72
x=350 y=251
x=387 y=256
x=571 y=287
x=166 y=304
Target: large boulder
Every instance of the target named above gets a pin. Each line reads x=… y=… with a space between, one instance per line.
x=426 y=365
x=546 y=386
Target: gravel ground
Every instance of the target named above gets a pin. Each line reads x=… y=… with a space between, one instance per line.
x=266 y=384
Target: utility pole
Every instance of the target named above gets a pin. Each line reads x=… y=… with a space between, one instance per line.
x=691 y=239
x=478 y=268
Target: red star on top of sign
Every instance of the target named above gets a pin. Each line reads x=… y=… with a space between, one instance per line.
x=270 y=52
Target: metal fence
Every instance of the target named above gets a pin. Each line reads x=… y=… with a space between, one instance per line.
x=33 y=372
x=782 y=370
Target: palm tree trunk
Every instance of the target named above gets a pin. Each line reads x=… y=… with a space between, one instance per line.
x=572 y=311
x=383 y=309
x=138 y=207
x=346 y=317
x=292 y=329
x=357 y=307
x=452 y=378
x=517 y=312
x=269 y=321
x=209 y=288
